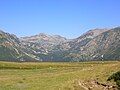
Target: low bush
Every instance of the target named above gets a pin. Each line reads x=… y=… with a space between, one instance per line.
x=116 y=78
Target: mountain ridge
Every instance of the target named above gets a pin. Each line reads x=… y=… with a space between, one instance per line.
x=95 y=44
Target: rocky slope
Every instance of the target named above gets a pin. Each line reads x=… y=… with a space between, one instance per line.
x=42 y=43
x=96 y=44
x=11 y=49
x=73 y=49
x=104 y=46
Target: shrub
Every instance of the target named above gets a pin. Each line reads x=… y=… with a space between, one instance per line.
x=116 y=78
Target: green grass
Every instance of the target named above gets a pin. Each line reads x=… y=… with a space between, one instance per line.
x=53 y=76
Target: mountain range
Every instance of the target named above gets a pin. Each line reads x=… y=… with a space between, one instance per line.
x=96 y=44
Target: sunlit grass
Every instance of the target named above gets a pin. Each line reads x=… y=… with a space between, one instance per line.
x=52 y=76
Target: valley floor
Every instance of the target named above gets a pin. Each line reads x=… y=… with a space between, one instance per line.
x=57 y=76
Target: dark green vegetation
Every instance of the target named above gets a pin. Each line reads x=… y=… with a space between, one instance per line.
x=116 y=78
x=56 y=76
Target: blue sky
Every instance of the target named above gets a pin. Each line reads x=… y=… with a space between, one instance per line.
x=68 y=18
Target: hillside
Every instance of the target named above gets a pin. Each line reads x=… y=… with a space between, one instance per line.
x=11 y=49
x=96 y=44
x=42 y=43
x=104 y=46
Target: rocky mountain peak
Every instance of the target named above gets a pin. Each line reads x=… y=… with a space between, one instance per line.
x=93 y=33
x=96 y=44
x=44 y=37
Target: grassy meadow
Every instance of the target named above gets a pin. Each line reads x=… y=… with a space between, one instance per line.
x=55 y=75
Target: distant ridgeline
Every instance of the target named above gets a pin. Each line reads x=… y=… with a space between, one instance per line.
x=96 y=44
